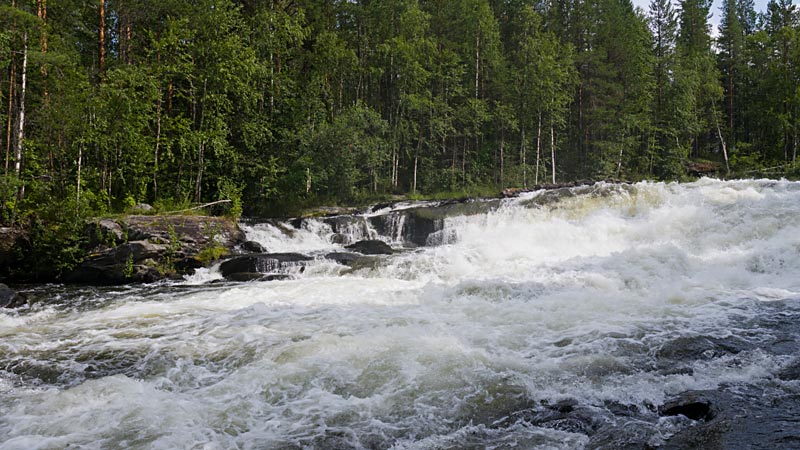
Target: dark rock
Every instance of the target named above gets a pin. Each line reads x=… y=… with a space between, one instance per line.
x=340 y=239
x=699 y=410
x=791 y=371
x=345 y=258
x=371 y=247
x=10 y=239
x=744 y=417
x=195 y=231
x=103 y=233
x=120 y=264
x=264 y=263
x=383 y=205
x=188 y=264
x=157 y=247
x=253 y=247
x=257 y=276
x=10 y=298
x=700 y=347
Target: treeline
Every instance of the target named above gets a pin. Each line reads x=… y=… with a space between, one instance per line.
x=280 y=103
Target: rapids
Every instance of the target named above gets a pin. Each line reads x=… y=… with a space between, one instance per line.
x=552 y=321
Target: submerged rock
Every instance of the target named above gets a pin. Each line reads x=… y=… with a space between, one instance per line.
x=10 y=298
x=345 y=258
x=257 y=276
x=371 y=247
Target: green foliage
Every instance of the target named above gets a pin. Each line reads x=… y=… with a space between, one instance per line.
x=212 y=253
x=127 y=271
x=228 y=190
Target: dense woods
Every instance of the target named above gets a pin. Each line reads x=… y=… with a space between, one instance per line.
x=283 y=103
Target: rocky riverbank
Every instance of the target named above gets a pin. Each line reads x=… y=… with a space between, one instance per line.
x=135 y=248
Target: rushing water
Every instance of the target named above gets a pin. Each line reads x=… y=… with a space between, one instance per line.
x=556 y=324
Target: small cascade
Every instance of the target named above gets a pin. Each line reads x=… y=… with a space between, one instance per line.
x=351 y=229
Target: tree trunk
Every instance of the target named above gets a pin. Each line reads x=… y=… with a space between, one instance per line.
x=464 y=162
x=21 y=124
x=101 y=35
x=477 y=59
x=42 y=14
x=538 y=148
x=158 y=143
x=78 y=189
x=12 y=81
x=553 y=152
x=522 y=158
x=201 y=150
x=721 y=139
x=414 y=182
x=619 y=157
x=502 y=157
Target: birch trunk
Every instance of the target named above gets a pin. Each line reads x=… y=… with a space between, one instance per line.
x=538 y=148
x=21 y=124
x=553 y=152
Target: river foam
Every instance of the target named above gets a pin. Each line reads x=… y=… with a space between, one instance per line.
x=612 y=299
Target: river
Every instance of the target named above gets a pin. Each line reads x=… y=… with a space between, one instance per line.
x=546 y=321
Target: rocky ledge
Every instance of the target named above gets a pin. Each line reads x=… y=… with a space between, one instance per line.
x=150 y=248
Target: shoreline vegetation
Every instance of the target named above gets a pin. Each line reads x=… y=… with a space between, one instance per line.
x=277 y=107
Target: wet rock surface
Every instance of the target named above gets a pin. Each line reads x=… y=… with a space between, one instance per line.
x=371 y=247
x=257 y=276
x=253 y=247
x=264 y=263
x=10 y=298
x=345 y=258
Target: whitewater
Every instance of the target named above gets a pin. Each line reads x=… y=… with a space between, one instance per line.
x=549 y=321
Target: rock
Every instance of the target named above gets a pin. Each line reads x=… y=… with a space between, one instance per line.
x=264 y=263
x=198 y=231
x=188 y=264
x=142 y=208
x=121 y=264
x=371 y=247
x=253 y=247
x=103 y=233
x=791 y=371
x=695 y=410
x=344 y=258
x=699 y=169
x=9 y=298
x=742 y=417
x=256 y=276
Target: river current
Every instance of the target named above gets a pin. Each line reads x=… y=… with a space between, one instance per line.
x=563 y=323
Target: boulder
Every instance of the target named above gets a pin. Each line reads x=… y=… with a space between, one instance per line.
x=253 y=247
x=9 y=298
x=344 y=258
x=142 y=208
x=191 y=231
x=371 y=247
x=134 y=261
x=103 y=233
x=264 y=263
x=157 y=247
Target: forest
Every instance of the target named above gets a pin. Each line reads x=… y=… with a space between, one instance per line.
x=286 y=103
